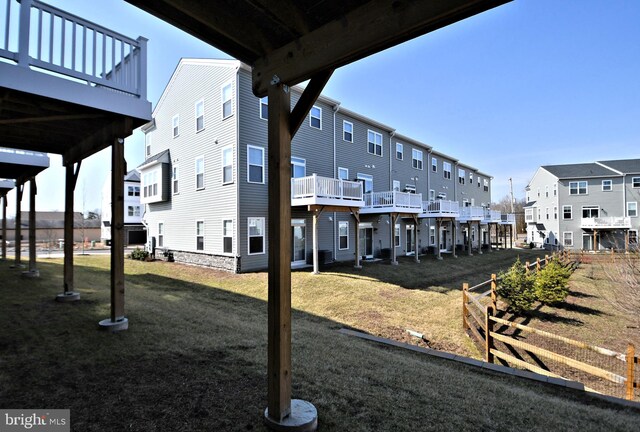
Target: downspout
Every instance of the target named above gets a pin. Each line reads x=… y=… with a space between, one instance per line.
x=336 y=108
x=429 y=156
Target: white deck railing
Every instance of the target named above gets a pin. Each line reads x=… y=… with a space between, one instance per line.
x=606 y=222
x=393 y=199
x=509 y=218
x=492 y=215
x=33 y=33
x=441 y=207
x=471 y=212
x=315 y=186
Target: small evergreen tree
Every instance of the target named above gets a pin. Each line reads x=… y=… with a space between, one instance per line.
x=516 y=288
x=551 y=283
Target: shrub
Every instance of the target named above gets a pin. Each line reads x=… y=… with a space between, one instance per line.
x=515 y=287
x=551 y=283
x=139 y=254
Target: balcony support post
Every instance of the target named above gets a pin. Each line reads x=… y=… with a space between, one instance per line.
x=489 y=235
x=479 y=239
x=469 y=245
x=415 y=237
x=626 y=239
x=453 y=238
x=4 y=227
x=393 y=219
x=595 y=240
x=438 y=226
x=18 y=225
x=316 y=215
x=71 y=178
x=33 y=270
x=510 y=236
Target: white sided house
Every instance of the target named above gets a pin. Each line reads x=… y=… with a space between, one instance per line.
x=588 y=206
x=134 y=231
x=366 y=191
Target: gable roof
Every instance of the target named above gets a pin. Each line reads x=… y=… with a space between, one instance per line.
x=625 y=166
x=162 y=157
x=582 y=170
x=132 y=176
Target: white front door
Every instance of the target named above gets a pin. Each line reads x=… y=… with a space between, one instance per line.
x=298 y=241
x=366 y=242
x=411 y=241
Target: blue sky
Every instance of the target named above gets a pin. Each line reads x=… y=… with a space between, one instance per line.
x=530 y=83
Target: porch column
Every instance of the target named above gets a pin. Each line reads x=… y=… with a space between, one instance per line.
x=316 y=264
x=4 y=227
x=479 y=239
x=393 y=219
x=356 y=215
x=18 y=226
x=415 y=237
x=438 y=253
x=510 y=236
x=33 y=270
x=469 y=243
x=626 y=238
x=595 y=240
x=117 y=321
x=71 y=178
x=453 y=238
x=489 y=236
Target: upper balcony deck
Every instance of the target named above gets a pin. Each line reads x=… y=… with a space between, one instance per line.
x=507 y=219
x=21 y=164
x=318 y=190
x=491 y=216
x=471 y=213
x=392 y=202
x=605 y=223
x=441 y=209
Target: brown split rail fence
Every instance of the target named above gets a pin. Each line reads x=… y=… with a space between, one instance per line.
x=522 y=346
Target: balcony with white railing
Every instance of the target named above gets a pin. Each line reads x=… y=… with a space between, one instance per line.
x=471 y=213
x=491 y=216
x=392 y=202
x=53 y=53
x=605 y=223
x=441 y=208
x=318 y=190
x=507 y=219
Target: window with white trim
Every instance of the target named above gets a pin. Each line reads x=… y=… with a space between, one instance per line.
x=200 y=235
x=546 y=191
x=607 y=185
x=555 y=189
x=396 y=236
x=481 y=179
x=298 y=167
x=470 y=179
x=227 y=236
x=343 y=173
x=199 y=115
x=590 y=211
x=256 y=235
x=567 y=238
x=227 y=101
x=200 y=173
x=416 y=158
x=461 y=175
x=633 y=237
x=446 y=170
x=175 y=172
x=175 y=125
x=528 y=215
x=133 y=191
x=133 y=210
x=486 y=185
x=635 y=182
x=160 y=234
x=567 y=212
x=632 y=209
x=555 y=212
x=255 y=164
x=432 y=195
x=434 y=165
x=374 y=143
x=396 y=185
x=347 y=131
x=264 y=108
x=432 y=236
x=147 y=143
x=578 y=188
x=399 y=151
x=150 y=183
x=538 y=192
x=227 y=164
x=547 y=212
x=343 y=235
x=315 y=117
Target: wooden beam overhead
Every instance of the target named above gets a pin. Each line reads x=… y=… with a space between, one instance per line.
x=51 y=118
x=308 y=98
x=373 y=27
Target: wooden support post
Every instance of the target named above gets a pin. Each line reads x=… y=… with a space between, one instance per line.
x=537 y=264
x=18 y=226
x=356 y=215
x=415 y=238
x=626 y=240
x=631 y=361
x=465 y=312
x=4 y=227
x=546 y=259
x=510 y=236
x=33 y=191
x=479 y=239
x=488 y=338
x=526 y=267
x=469 y=243
x=595 y=240
x=117 y=320
x=393 y=218
x=438 y=226
x=453 y=238
x=489 y=235
x=494 y=295
x=71 y=178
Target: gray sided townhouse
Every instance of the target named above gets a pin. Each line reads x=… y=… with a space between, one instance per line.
x=356 y=183
x=587 y=206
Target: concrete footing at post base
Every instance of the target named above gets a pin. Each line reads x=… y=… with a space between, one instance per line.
x=31 y=274
x=303 y=418
x=114 y=326
x=68 y=296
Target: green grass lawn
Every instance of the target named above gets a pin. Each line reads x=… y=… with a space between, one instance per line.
x=194 y=357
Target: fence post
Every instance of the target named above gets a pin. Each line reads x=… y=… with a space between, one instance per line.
x=465 y=312
x=537 y=264
x=631 y=360
x=494 y=295
x=526 y=267
x=488 y=339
